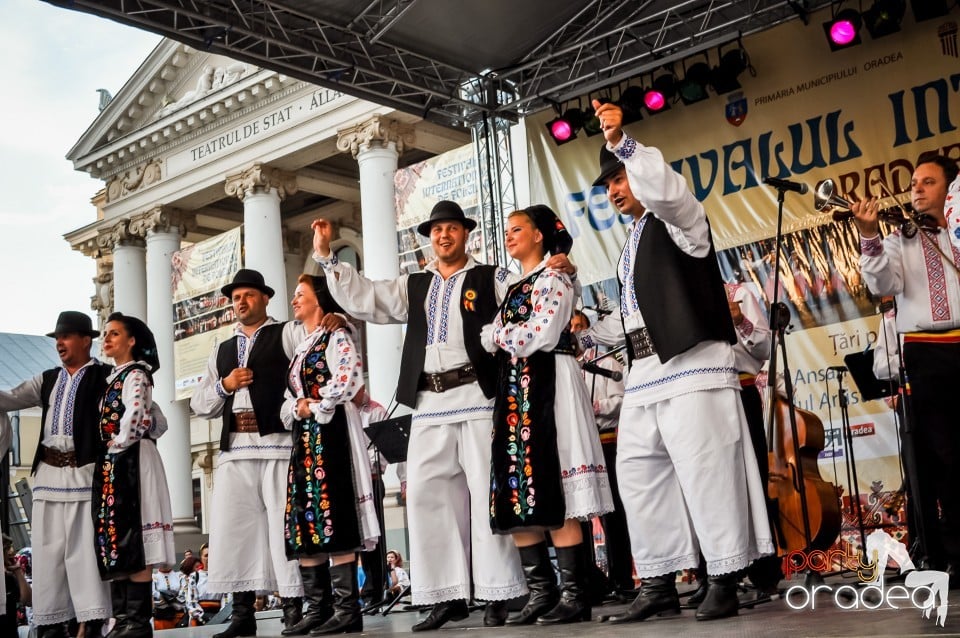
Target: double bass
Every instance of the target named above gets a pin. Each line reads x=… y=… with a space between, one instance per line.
x=783 y=487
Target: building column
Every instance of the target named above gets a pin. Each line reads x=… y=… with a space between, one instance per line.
x=377 y=144
x=163 y=228
x=261 y=189
x=129 y=269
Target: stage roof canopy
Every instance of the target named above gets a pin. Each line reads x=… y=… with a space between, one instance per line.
x=455 y=61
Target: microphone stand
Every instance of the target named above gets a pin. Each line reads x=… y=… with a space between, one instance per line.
x=853 y=483
x=779 y=321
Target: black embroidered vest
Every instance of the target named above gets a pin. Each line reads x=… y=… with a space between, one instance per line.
x=86 y=413
x=681 y=297
x=478 y=307
x=269 y=364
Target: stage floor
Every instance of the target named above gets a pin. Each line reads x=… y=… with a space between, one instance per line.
x=774 y=618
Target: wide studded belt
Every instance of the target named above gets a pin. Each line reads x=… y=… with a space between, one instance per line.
x=443 y=381
x=640 y=345
x=57 y=458
x=245 y=422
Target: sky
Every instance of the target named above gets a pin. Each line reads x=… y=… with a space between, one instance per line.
x=55 y=61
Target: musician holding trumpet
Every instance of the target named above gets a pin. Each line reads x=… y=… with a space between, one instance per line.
x=921 y=270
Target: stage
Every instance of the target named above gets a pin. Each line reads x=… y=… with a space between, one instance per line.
x=774 y=618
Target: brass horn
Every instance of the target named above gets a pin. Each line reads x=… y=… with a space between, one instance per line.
x=824 y=197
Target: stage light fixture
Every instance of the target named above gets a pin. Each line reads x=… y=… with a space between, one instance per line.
x=631 y=102
x=929 y=9
x=884 y=17
x=693 y=87
x=565 y=127
x=732 y=64
x=844 y=30
x=657 y=98
x=591 y=123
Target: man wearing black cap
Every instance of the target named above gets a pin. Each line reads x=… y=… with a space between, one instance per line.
x=244 y=384
x=66 y=581
x=687 y=471
x=449 y=380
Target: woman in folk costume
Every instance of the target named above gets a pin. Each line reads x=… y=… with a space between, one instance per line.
x=330 y=509
x=132 y=518
x=547 y=464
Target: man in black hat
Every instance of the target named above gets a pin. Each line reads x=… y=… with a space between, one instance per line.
x=66 y=581
x=244 y=384
x=449 y=380
x=686 y=469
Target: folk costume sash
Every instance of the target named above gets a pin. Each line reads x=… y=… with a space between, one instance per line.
x=117 y=524
x=321 y=513
x=525 y=482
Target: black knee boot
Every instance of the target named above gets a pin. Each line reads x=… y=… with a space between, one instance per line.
x=316 y=591
x=94 y=627
x=541 y=581
x=292 y=611
x=574 y=605
x=139 y=610
x=658 y=597
x=347 y=616
x=242 y=621
x=118 y=598
x=721 y=600
x=58 y=630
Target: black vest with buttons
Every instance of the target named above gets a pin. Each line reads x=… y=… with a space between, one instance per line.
x=478 y=283
x=681 y=297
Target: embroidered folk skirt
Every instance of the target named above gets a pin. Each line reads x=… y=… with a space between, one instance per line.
x=321 y=515
x=132 y=518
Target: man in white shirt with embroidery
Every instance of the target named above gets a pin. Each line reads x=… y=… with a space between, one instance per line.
x=920 y=267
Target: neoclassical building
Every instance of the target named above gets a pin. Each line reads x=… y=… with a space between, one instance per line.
x=196 y=144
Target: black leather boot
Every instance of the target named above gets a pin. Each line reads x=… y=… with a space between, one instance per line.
x=58 y=630
x=139 y=607
x=94 y=627
x=721 y=600
x=495 y=613
x=442 y=613
x=347 y=616
x=694 y=599
x=242 y=621
x=574 y=605
x=541 y=581
x=316 y=591
x=292 y=611
x=118 y=598
x=658 y=597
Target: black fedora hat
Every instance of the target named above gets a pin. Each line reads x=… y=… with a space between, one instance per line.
x=247 y=278
x=609 y=164
x=443 y=211
x=73 y=322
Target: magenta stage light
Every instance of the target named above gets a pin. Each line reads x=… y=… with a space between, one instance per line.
x=654 y=100
x=843 y=32
x=561 y=130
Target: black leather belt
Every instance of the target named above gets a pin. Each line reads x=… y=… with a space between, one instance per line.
x=640 y=345
x=57 y=458
x=443 y=381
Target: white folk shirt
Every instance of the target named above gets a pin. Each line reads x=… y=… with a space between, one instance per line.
x=209 y=399
x=60 y=484
x=753 y=334
x=386 y=301
x=664 y=194
x=951 y=210
x=927 y=288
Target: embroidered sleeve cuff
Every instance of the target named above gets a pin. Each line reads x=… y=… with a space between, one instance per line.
x=326 y=262
x=625 y=148
x=745 y=329
x=872 y=246
x=221 y=392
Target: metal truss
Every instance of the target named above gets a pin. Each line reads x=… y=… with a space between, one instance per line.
x=603 y=42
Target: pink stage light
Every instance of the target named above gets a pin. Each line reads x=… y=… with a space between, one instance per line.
x=842 y=32
x=654 y=100
x=561 y=130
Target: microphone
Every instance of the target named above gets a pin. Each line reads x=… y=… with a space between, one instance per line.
x=603 y=372
x=787 y=185
x=601 y=312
